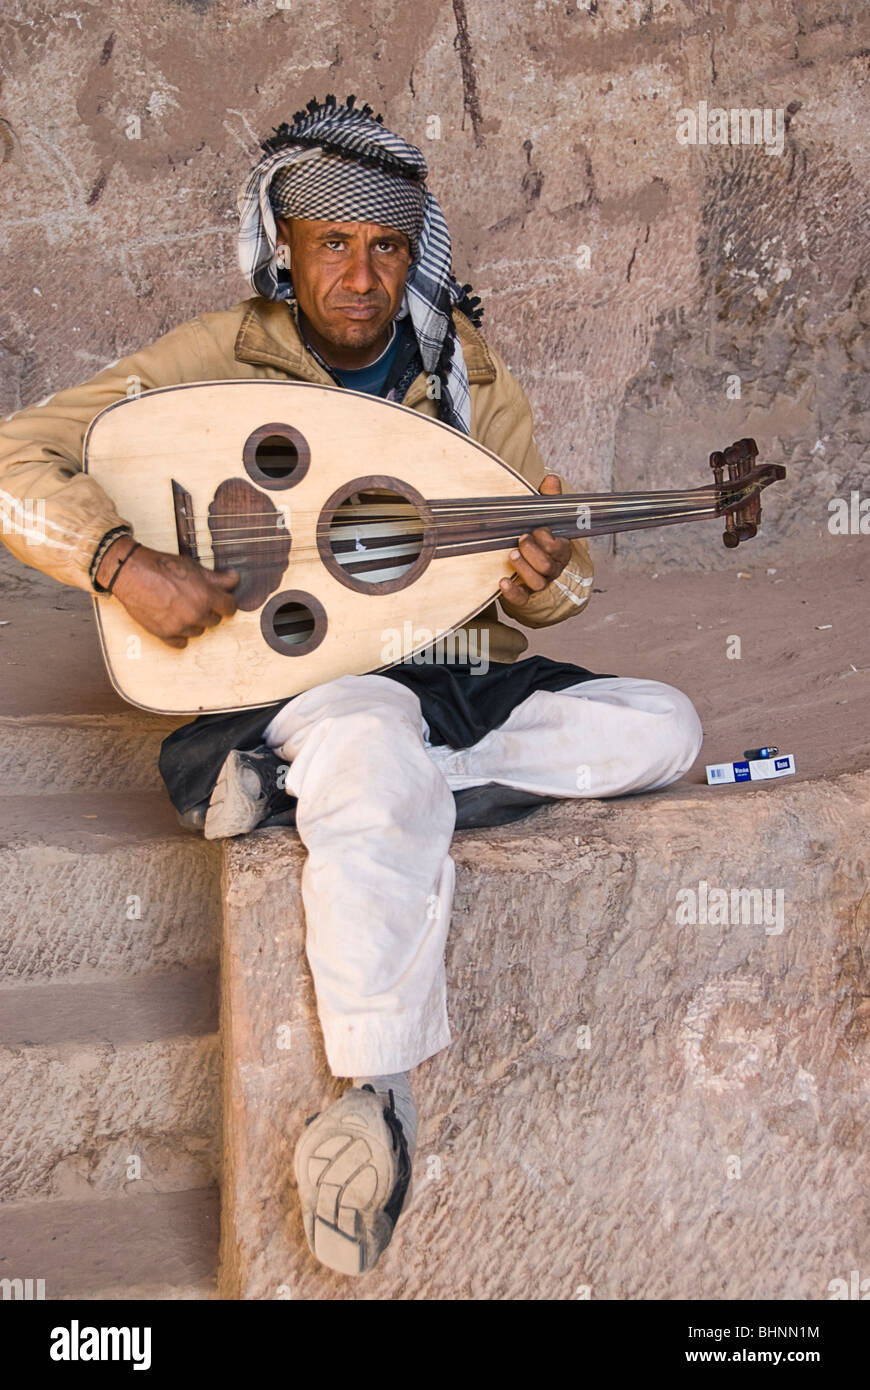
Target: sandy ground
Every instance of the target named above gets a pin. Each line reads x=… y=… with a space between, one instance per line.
x=802 y=681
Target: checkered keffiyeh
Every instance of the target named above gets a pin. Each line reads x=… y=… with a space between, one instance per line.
x=339 y=162
x=321 y=184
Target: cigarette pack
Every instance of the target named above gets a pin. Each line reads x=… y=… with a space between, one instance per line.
x=760 y=770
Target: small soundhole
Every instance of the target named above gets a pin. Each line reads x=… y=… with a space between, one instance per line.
x=276 y=456
x=293 y=622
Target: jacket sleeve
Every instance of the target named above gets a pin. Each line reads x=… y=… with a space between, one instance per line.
x=54 y=515
x=503 y=423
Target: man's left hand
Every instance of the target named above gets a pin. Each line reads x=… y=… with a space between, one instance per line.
x=539 y=558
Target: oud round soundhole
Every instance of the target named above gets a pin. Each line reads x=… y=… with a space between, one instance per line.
x=276 y=456
x=376 y=535
x=293 y=622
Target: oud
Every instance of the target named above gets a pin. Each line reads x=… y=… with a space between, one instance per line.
x=345 y=516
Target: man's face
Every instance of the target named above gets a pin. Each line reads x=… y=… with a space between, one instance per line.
x=349 y=279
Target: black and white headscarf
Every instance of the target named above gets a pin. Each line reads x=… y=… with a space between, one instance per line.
x=339 y=162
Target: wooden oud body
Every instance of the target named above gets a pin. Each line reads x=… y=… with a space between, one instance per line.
x=200 y=436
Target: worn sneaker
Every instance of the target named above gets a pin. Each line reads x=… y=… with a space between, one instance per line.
x=353 y=1172
x=246 y=793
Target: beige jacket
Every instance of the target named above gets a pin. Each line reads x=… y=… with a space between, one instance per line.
x=54 y=515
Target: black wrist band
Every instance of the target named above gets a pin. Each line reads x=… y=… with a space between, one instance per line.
x=111 y=584
x=108 y=540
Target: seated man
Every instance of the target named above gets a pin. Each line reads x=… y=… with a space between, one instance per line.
x=349 y=258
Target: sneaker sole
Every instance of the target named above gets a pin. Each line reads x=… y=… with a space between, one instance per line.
x=346 y=1169
x=232 y=810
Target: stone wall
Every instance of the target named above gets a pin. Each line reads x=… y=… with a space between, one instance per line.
x=549 y=128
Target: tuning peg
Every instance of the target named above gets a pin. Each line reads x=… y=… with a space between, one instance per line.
x=741 y=524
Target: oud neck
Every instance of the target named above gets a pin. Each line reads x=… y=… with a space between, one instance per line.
x=489 y=523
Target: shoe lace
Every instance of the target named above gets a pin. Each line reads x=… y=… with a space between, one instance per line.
x=393 y=1206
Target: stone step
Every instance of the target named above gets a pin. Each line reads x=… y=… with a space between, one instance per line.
x=109 y=1055
x=155 y=1245
x=124 y=1010
x=81 y=752
x=633 y=1106
x=103 y=1120
x=99 y=884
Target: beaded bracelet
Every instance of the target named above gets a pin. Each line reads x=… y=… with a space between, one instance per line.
x=111 y=584
x=108 y=540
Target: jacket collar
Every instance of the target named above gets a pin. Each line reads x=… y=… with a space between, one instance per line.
x=269 y=336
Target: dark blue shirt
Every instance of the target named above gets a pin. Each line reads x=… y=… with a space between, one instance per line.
x=372 y=378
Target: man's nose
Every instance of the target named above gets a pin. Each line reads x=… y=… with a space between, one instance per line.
x=359 y=276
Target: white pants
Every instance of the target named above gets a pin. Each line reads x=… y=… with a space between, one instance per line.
x=376 y=814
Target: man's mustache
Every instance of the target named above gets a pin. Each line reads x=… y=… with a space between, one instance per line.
x=379 y=302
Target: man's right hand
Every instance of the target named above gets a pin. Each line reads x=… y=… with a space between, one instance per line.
x=171 y=596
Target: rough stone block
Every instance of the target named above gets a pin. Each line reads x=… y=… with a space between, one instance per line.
x=154 y=1246
x=100 y=885
x=73 y=1116
x=632 y=1105
x=87 y=752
